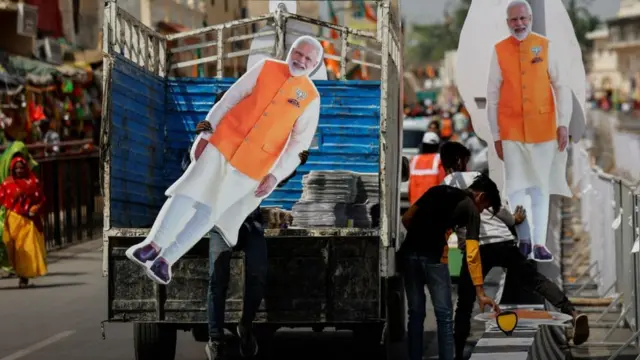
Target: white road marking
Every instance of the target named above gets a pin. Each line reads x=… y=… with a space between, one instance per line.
x=499 y=356
x=506 y=341
x=37 y=346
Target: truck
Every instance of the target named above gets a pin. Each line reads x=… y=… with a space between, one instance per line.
x=342 y=278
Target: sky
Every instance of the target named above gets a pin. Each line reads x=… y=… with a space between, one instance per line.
x=430 y=11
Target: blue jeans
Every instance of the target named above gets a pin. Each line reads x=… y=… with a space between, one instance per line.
x=255 y=251
x=420 y=271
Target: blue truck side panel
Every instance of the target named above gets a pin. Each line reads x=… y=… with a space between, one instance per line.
x=347 y=136
x=137 y=145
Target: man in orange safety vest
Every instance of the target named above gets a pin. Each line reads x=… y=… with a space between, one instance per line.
x=426 y=168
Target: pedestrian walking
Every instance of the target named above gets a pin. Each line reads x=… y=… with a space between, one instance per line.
x=23 y=237
x=14 y=149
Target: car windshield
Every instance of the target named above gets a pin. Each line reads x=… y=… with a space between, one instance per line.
x=412 y=138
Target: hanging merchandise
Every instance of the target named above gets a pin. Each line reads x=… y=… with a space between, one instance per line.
x=36 y=112
x=67 y=86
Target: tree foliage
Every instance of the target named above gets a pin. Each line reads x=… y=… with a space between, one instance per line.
x=428 y=43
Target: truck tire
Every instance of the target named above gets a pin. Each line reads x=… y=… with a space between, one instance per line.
x=154 y=341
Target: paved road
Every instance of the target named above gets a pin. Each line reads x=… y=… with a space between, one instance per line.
x=59 y=318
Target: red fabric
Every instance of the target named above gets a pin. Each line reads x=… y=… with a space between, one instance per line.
x=36 y=112
x=21 y=195
x=49 y=16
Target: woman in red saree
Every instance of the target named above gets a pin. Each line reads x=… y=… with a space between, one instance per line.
x=22 y=196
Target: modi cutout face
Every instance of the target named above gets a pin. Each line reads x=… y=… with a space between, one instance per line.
x=519 y=19
x=305 y=56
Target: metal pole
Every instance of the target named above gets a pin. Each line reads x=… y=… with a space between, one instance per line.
x=539 y=21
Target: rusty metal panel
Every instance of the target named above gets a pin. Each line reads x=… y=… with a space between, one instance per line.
x=137 y=143
x=347 y=136
x=390 y=134
x=310 y=279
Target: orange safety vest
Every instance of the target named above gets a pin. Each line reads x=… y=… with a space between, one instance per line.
x=446 y=127
x=426 y=172
x=252 y=135
x=526 y=110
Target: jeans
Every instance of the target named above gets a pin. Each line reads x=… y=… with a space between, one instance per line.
x=255 y=250
x=420 y=271
x=508 y=256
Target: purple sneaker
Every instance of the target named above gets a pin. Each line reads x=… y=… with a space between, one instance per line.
x=541 y=254
x=160 y=271
x=525 y=247
x=142 y=255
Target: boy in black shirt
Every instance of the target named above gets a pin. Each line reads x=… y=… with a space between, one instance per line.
x=498 y=248
x=424 y=256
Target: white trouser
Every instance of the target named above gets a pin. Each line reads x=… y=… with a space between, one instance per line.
x=200 y=218
x=537 y=214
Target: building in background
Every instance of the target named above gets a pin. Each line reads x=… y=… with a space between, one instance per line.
x=222 y=11
x=624 y=41
x=448 y=68
x=602 y=64
x=305 y=8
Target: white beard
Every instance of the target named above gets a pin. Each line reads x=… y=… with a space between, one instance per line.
x=296 y=71
x=521 y=36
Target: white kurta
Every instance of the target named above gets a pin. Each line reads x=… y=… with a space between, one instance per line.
x=201 y=178
x=533 y=165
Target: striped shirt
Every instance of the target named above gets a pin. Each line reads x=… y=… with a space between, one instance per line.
x=493 y=229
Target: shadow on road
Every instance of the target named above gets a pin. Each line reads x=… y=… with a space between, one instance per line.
x=336 y=345
x=14 y=287
x=66 y=273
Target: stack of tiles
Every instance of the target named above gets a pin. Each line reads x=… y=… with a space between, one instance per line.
x=336 y=199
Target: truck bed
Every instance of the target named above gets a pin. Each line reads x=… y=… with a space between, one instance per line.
x=323 y=275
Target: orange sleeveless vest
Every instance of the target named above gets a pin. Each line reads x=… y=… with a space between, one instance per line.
x=526 y=110
x=426 y=172
x=252 y=135
x=446 y=127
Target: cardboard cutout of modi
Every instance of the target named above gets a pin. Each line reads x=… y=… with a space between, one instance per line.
x=525 y=94
x=265 y=119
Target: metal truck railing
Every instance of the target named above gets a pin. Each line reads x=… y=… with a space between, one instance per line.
x=610 y=219
x=157 y=53
x=126 y=35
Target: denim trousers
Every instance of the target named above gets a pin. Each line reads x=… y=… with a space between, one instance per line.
x=255 y=251
x=420 y=271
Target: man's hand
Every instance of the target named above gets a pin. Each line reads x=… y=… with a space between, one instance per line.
x=484 y=300
x=267 y=184
x=563 y=137
x=520 y=214
x=203 y=126
x=498 y=146
x=304 y=156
